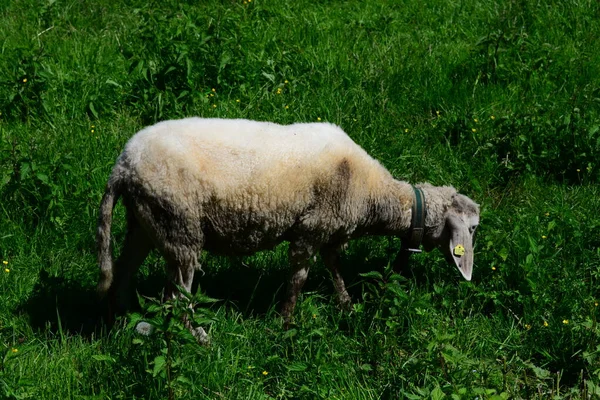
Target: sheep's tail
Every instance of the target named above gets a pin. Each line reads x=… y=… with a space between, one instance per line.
x=105 y=251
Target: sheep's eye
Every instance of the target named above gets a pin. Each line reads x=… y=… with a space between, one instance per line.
x=472 y=229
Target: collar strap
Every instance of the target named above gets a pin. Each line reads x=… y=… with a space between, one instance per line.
x=417 y=225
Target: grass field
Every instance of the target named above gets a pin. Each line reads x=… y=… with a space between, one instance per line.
x=500 y=99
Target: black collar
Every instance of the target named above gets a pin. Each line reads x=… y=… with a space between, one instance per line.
x=417 y=225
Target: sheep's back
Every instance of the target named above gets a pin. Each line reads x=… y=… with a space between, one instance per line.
x=230 y=155
x=247 y=176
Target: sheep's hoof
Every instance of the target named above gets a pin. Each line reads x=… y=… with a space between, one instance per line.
x=144 y=328
x=345 y=302
x=201 y=336
x=288 y=324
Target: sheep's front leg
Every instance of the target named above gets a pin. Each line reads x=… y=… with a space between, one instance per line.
x=299 y=258
x=331 y=258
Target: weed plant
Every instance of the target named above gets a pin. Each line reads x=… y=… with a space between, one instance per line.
x=500 y=99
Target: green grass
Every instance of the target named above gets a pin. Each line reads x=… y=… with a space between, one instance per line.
x=499 y=99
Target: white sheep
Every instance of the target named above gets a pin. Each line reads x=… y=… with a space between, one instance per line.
x=235 y=187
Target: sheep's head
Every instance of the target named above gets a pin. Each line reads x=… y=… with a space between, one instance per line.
x=454 y=232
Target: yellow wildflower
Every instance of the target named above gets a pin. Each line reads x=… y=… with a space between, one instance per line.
x=473 y=130
x=214 y=90
x=24 y=80
x=237 y=101
x=278 y=90
x=5 y=262
x=493 y=268
x=265 y=373
x=545 y=323
x=406 y=130
x=6 y=270
x=438 y=113
x=492 y=117
x=527 y=326
x=314 y=315
x=15 y=350
x=318 y=118
x=596 y=304
x=286 y=107
x=565 y=321
x=544 y=237
x=475 y=119
x=286 y=82
x=214 y=106
x=578 y=170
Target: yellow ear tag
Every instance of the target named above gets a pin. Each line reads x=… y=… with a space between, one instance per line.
x=459 y=250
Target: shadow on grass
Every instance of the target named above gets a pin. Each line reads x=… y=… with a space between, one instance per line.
x=254 y=291
x=58 y=303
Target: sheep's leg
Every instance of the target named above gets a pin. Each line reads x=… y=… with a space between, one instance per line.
x=299 y=259
x=331 y=258
x=136 y=247
x=181 y=273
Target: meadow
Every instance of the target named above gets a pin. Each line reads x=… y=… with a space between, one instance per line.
x=500 y=99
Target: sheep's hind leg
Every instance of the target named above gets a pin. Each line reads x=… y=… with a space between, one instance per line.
x=135 y=249
x=180 y=270
x=331 y=258
x=299 y=258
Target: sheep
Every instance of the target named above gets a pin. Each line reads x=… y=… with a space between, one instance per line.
x=235 y=187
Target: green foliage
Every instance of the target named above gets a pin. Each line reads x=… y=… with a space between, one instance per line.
x=169 y=321
x=499 y=99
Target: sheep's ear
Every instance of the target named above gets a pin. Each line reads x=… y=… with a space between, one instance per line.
x=460 y=244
